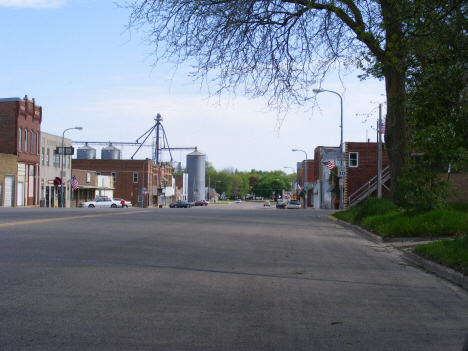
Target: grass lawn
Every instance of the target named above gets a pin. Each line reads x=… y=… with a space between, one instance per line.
x=452 y=253
x=383 y=218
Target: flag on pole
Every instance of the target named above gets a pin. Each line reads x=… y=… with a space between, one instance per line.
x=298 y=187
x=382 y=128
x=329 y=164
x=74 y=183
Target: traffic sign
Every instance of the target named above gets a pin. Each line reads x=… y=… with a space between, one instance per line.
x=341 y=172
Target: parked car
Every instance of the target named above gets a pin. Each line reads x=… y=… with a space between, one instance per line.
x=238 y=201
x=181 y=204
x=266 y=203
x=294 y=204
x=125 y=204
x=280 y=204
x=101 y=202
x=201 y=203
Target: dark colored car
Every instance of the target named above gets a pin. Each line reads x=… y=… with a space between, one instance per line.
x=179 y=204
x=280 y=204
x=201 y=203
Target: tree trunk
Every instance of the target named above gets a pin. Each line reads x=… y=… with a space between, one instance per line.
x=397 y=136
x=397 y=131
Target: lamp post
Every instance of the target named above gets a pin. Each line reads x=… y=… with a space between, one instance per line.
x=317 y=91
x=61 y=169
x=305 y=177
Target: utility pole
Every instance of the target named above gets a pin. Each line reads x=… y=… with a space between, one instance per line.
x=379 y=154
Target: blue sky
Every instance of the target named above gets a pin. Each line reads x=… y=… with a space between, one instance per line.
x=76 y=59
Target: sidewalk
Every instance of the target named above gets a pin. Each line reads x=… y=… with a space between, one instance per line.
x=406 y=246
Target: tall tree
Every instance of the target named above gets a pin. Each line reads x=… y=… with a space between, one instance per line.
x=280 y=48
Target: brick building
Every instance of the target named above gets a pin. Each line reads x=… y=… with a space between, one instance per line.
x=20 y=135
x=361 y=172
x=310 y=179
x=133 y=180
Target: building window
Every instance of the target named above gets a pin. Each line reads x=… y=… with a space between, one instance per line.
x=42 y=156
x=32 y=141
x=47 y=158
x=56 y=158
x=25 y=140
x=114 y=176
x=353 y=159
x=19 y=139
x=135 y=177
x=37 y=142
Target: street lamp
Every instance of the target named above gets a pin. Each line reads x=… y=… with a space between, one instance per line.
x=317 y=91
x=305 y=177
x=61 y=170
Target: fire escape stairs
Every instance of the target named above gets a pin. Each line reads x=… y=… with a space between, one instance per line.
x=368 y=188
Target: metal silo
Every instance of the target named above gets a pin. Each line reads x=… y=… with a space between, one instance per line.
x=196 y=162
x=86 y=153
x=110 y=153
x=176 y=166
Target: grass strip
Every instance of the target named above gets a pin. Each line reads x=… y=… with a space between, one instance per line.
x=452 y=252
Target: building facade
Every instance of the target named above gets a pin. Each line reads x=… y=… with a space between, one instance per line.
x=20 y=135
x=139 y=181
x=50 y=168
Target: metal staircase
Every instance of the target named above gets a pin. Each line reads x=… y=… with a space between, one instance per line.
x=368 y=188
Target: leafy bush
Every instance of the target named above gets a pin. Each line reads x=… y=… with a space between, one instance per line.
x=422 y=190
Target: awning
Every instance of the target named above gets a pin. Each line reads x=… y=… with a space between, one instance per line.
x=57 y=181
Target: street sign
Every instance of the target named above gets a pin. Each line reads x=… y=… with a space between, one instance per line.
x=306 y=188
x=341 y=172
x=65 y=150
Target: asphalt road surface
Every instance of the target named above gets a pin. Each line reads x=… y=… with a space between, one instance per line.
x=227 y=277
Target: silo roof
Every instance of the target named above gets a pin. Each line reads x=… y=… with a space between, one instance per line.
x=196 y=153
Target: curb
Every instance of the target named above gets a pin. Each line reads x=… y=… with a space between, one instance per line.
x=442 y=271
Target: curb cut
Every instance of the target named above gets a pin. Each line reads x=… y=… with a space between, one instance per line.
x=442 y=271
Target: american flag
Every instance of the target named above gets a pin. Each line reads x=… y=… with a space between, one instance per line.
x=330 y=164
x=74 y=183
x=382 y=128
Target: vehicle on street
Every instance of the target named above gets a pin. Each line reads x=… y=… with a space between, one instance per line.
x=201 y=203
x=181 y=204
x=238 y=201
x=124 y=204
x=101 y=202
x=280 y=204
x=266 y=203
x=294 y=204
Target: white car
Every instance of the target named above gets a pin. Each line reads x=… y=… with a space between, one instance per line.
x=101 y=202
x=238 y=201
x=126 y=204
x=294 y=204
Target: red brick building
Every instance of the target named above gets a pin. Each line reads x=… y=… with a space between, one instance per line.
x=134 y=180
x=310 y=179
x=361 y=171
x=20 y=135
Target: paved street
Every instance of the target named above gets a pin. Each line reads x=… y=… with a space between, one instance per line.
x=222 y=277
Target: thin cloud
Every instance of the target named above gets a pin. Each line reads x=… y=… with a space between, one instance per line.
x=32 y=3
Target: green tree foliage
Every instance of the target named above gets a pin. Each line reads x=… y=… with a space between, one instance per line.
x=271 y=183
x=278 y=49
